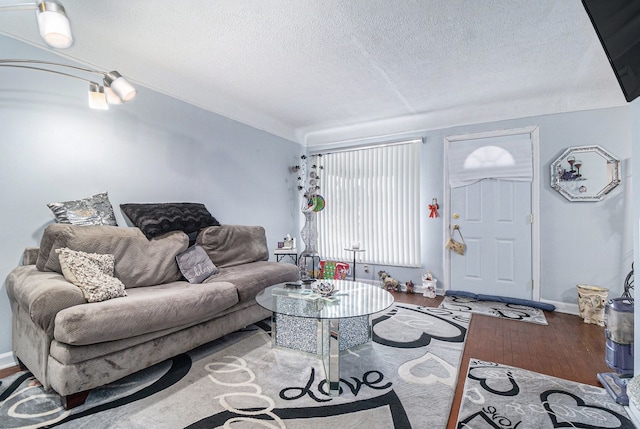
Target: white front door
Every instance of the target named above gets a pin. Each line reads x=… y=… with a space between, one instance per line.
x=494 y=217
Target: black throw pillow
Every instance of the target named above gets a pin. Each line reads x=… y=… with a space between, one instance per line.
x=155 y=219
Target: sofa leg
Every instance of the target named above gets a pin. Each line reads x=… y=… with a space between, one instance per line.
x=22 y=366
x=74 y=400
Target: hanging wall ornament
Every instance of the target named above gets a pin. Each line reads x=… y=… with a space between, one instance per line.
x=433 y=208
x=316 y=203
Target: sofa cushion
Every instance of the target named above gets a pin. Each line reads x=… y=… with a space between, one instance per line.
x=229 y=245
x=49 y=238
x=92 y=273
x=67 y=354
x=138 y=261
x=160 y=218
x=56 y=236
x=144 y=310
x=94 y=210
x=195 y=264
x=253 y=277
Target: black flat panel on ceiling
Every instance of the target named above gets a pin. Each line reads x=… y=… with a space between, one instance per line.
x=617 y=23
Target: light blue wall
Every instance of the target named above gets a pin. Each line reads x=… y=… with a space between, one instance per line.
x=585 y=242
x=581 y=242
x=154 y=149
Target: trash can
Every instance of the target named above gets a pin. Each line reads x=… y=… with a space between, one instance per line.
x=591 y=302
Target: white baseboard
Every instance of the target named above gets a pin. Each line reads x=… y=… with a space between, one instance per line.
x=7 y=360
x=417 y=288
x=564 y=307
x=368 y=281
x=561 y=307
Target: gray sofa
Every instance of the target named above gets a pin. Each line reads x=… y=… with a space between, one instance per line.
x=72 y=346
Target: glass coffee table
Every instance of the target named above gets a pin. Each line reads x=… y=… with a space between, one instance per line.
x=305 y=321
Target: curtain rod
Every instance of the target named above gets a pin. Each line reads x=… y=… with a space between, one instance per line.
x=366 y=146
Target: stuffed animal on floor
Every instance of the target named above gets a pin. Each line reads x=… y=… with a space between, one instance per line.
x=389 y=282
x=409 y=285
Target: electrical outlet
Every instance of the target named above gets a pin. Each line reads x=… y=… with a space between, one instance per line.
x=366 y=268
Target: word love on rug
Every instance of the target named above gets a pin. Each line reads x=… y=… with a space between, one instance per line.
x=503 y=310
x=505 y=397
x=405 y=378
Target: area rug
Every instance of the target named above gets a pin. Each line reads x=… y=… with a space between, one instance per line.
x=496 y=309
x=504 y=397
x=405 y=378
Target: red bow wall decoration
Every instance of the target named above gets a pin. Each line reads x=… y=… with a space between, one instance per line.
x=433 y=209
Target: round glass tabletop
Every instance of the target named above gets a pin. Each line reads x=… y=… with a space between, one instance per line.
x=350 y=299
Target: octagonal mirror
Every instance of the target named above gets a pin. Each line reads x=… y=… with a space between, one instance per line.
x=585 y=173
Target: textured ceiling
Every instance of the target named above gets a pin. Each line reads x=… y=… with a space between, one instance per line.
x=321 y=71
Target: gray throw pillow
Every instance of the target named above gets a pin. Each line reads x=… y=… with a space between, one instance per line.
x=94 y=210
x=195 y=264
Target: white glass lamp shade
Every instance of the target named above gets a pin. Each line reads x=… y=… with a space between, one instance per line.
x=120 y=86
x=112 y=97
x=54 y=25
x=97 y=97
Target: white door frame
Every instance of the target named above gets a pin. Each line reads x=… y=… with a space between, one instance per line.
x=533 y=133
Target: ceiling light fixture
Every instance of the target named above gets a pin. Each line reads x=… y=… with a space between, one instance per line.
x=97 y=97
x=119 y=85
x=114 y=90
x=53 y=22
x=54 y=25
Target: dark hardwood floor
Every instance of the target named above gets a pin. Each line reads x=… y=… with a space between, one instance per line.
x=8 y=371
x=566 y=348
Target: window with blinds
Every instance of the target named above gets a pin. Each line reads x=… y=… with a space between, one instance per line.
x=372 y=198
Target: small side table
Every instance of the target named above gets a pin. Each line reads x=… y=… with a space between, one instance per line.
x=355 y=251
x=291 y=253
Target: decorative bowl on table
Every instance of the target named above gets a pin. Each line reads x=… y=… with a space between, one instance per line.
x=324 y=289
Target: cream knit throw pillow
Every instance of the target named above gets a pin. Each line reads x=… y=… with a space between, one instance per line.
x=92 y=273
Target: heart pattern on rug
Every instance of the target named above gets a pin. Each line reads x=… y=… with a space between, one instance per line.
x=502 y=310
x=504 y=397
x=564 y=415
x=504 y=383
x=450 y=327
x=434 y=365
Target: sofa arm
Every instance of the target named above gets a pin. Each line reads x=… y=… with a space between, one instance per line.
x=30 y=255
x=42 y=294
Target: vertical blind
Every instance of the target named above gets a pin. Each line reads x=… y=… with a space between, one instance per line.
x=372 y=198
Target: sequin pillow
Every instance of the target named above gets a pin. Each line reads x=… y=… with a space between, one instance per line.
x=94 y=210
x=92 y=273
